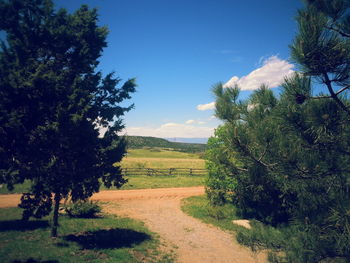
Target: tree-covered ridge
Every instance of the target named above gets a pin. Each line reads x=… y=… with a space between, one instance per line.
x=135 y=142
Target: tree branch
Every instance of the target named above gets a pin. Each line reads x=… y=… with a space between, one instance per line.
x=343 y=34
x=329 y=97
x=264 y=153
x=334 y=95
x=341 y=90
x=241 y=169
x=247 y=152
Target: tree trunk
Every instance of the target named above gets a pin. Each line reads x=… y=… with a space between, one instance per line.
x=54 y=227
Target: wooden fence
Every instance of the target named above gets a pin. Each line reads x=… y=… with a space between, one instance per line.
x=164 y=172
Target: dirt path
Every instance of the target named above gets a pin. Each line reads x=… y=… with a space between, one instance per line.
x=192 y=240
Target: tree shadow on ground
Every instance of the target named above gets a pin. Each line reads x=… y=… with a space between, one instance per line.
x=108 y=238
x=21 y=225
x=32 y=260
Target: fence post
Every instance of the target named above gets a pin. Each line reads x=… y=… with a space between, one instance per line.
x=171 y=170
x=191 y=172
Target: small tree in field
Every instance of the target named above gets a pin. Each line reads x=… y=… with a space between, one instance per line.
x=53 y=103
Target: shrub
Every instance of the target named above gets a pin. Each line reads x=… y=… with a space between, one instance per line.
x=83 y=209
x=220 y=182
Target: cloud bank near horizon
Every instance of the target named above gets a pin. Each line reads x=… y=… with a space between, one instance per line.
x=171 y=129
x=272 y=73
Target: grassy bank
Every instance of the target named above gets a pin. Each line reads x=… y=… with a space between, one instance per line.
x=276 y=241
x=221 y=216
x=259 y=237
x=105 y=239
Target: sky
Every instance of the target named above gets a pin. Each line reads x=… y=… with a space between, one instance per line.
x=178 y=49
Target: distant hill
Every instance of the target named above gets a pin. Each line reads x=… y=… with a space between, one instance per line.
x=141 y=142
x=188 y=140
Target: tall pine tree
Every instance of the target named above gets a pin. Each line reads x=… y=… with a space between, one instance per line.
x=292 y=152
x=53 y=102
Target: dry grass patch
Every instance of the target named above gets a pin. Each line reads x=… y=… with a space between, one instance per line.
x=135 y=162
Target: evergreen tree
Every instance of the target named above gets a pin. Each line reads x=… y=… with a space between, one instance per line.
x=322 y=48
x=53 y=103
x=292 y=152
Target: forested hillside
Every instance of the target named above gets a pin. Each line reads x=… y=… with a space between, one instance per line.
x=140 y=142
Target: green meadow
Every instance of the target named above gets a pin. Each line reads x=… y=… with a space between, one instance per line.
x=154 y=158
x=156 y=152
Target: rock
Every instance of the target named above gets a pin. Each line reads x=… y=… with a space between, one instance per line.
x=242 y=222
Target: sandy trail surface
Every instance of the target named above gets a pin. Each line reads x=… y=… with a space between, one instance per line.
x=192 y=240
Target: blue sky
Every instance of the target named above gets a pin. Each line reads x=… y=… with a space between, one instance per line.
x=178 y=49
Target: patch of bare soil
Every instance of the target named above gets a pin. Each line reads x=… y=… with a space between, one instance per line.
x=10 y=200
x=192 y=240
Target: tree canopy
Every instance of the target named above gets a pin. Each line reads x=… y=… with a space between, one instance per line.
x=54 y=103
x=286 y=158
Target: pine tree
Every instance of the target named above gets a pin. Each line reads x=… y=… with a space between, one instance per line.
x=322 y=47
x=292 y=152
x=53 y=103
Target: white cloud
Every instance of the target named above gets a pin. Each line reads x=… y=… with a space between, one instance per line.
x=170 y=124
x=172 y=130
x=231 y=83
x=190 y=121
x=272 y=73
x=209 y=106
x=195 y=122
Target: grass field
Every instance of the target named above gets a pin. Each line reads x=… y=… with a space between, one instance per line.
x=160 y=153
x=145 y=182
x=161 y=158
x=149 y=158
x=106 y=239
x=18 y=188
x=142 y=162
x=135 y=182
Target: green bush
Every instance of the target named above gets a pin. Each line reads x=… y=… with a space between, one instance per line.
x=220 y=181
x=83 y=209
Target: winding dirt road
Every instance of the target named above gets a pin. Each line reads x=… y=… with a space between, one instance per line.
x=192 y=240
